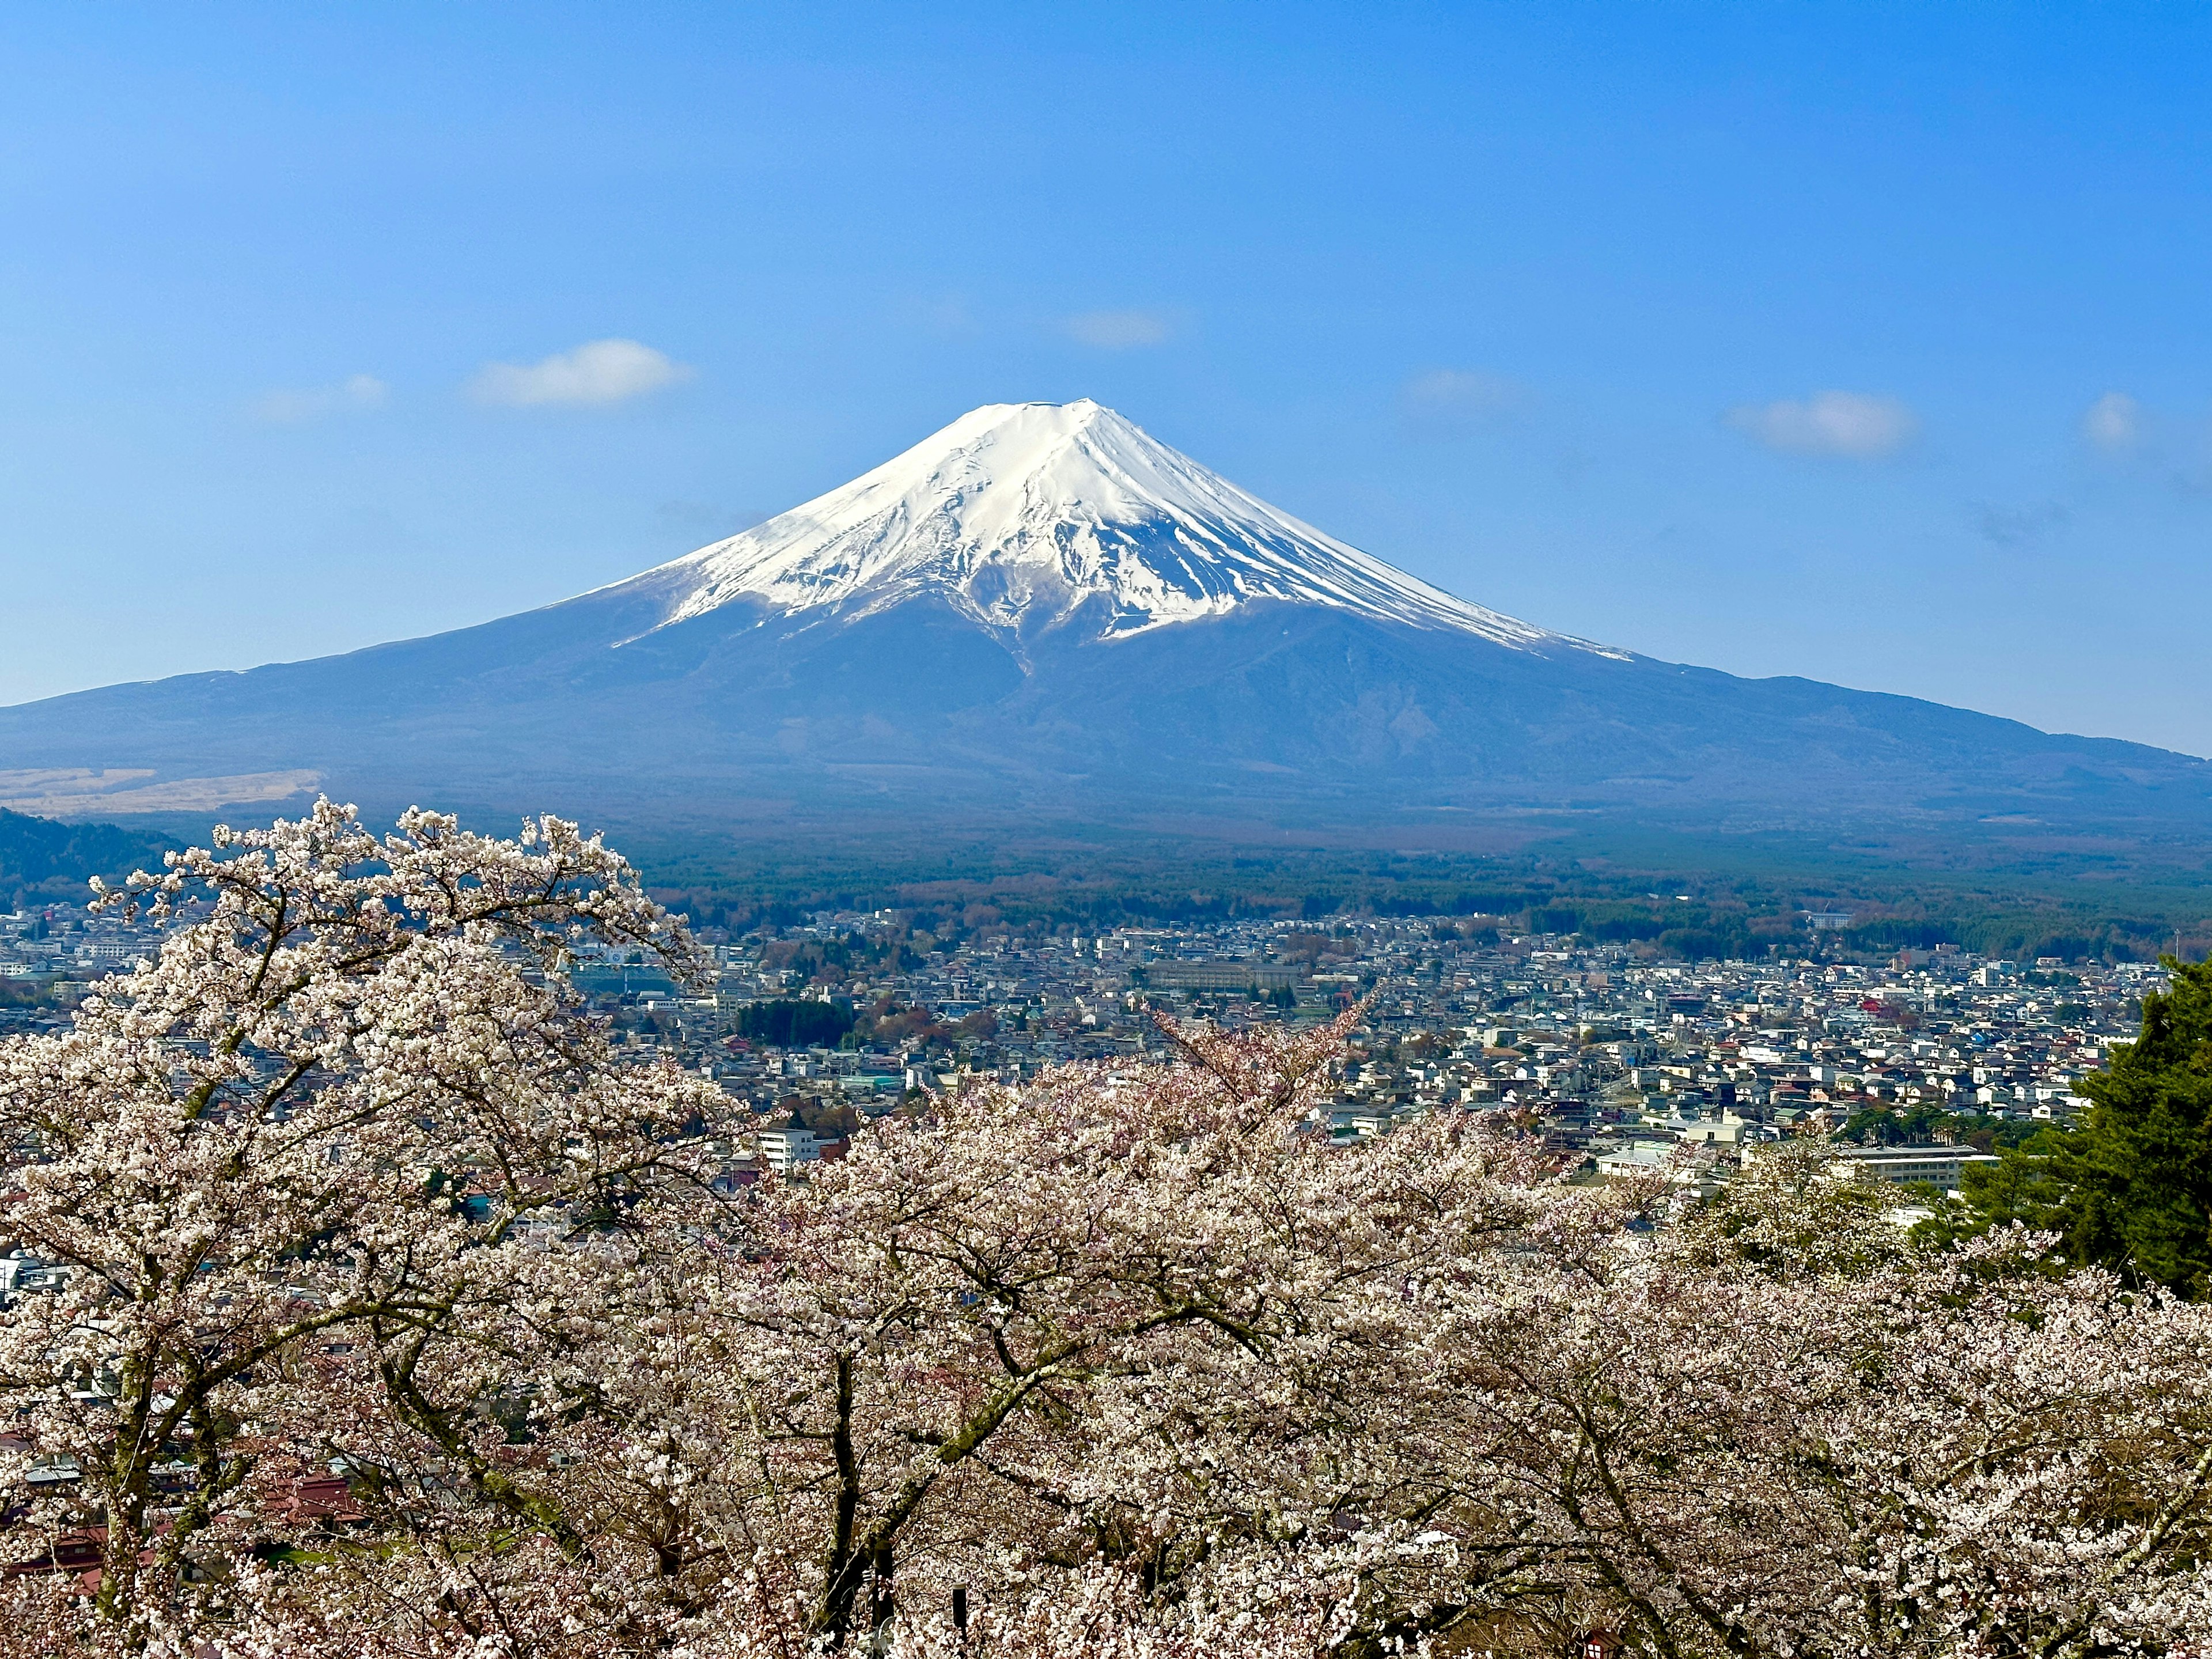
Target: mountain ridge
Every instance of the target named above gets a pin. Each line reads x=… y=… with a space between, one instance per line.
x=1041 y=607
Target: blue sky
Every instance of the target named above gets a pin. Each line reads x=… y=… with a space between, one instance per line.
x=1868 y=343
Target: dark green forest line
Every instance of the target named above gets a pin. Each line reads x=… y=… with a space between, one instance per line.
x=1680 y=894
x=1697 y=902
x=46 y=862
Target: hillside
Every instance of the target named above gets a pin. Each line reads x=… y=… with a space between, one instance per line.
x=42 y=860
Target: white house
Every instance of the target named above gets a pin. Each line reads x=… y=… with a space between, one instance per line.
x=785 y=1148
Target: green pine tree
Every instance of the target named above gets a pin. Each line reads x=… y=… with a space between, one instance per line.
x=2131 y=1187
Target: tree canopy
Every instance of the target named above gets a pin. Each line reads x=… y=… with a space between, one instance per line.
x=39 y=857
x=2130 y=1187
x=391 y=1311
x=801 y=1025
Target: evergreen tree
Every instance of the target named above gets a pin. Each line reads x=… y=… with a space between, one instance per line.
x=2142 y=1171
x=2130 y=1188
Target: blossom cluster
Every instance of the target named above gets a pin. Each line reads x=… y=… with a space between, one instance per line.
x=391 y=1310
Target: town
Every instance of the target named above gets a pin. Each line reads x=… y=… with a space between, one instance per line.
x=1915 y=1065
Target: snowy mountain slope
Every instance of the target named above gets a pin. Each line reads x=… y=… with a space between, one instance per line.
x=1024 y=516
x=1041 y=607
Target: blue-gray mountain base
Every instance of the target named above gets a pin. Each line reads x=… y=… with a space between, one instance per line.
x=1042 y=613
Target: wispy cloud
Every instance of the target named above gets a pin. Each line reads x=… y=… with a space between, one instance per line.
x=2015 y=527
x=596 y=373
x=1121 y=330
x=2151 y=445
x=949 y=315
x=1454 y=399
x=290 y=407
x=2114 y=422
x=704 y=521
x=1857 y=425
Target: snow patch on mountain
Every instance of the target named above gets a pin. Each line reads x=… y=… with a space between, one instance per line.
x=1019 y=514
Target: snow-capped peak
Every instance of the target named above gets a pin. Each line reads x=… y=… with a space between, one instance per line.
x=1018 y=514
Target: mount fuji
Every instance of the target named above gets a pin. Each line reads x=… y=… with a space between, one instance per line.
x=1043 y=607
x=1028 y=518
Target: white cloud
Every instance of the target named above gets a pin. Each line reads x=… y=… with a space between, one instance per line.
x=289 y=407
x=1444 y=398
x=1850 y=423
x=1121 y=330
x=597 y=372
x=2114 y=421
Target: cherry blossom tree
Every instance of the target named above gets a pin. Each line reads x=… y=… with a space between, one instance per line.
x=1781 y=1430
x=1109 y=1342
x=404 y=1319
x=319 y=1116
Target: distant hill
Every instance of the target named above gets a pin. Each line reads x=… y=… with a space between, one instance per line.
x=41 y=859
x=1043 y=610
